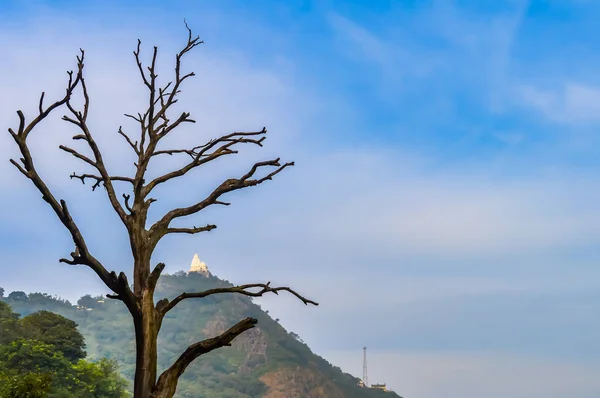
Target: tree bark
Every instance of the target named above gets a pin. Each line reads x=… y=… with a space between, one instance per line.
x=146 y=333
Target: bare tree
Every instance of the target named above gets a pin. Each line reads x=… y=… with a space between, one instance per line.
x=155 y=123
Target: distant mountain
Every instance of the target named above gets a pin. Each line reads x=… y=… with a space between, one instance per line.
x=266 y=361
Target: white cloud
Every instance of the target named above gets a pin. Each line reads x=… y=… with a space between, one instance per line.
x=573 y=103
x=381 y=204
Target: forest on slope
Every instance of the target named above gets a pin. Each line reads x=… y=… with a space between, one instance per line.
x=42 y=356
x=266 y=361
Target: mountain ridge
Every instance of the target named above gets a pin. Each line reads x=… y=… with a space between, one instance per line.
x=267 y=361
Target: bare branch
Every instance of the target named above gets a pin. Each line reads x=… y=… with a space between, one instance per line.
x=191 y=231
x=201 y=155
x=139 y=63
x=229 y=140
x=167 y=382
x=24 y=131
x=178 y=78
x=151 y=130
x=152 y=90
x=183 y=118
x=155 y=274
x=191 y=152
x=99 y=179
x=20 y=168
x=139 y=118
x=41 y=104
x=165 y=305
x=126 y=197
x=78 y=155
x=162 y=93
x=98 y=162
x=81 y=254
x=133 y=145
x=159 y=229
x=148 y=84
x=126 y=295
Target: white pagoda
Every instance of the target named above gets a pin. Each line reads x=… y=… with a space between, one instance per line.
x=198 y=266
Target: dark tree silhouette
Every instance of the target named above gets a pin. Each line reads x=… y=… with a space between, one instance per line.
x=18 y=295
x=50 y=328
x=155 y=123
x=88 y=301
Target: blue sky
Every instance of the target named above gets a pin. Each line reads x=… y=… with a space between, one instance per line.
x=444 y=205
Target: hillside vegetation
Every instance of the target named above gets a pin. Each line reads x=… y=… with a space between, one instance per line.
x=265 y=362
x=42 y=356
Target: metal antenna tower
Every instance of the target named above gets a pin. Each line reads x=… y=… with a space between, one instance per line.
x=365 y=378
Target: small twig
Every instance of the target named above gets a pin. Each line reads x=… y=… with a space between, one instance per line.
x=99 y=180
x=191 y=231
x=133 y=145
x=126 y=197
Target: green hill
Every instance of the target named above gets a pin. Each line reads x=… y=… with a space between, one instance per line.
x=266 y=361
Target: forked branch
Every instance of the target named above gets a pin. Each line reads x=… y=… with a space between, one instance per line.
x=80 y=120
x=155 y=123
x=161 y=227
x=98 y=179
x=203 y=154
x=191 y=43
x=81 y=254
x=164 y=305
x=133 y=145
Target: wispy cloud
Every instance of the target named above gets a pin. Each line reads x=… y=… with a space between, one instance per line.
x=422 y=197
x=439 y=42
x=392 y=60
x=573 y=103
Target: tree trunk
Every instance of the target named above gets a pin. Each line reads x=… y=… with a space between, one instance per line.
x=146 y=334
